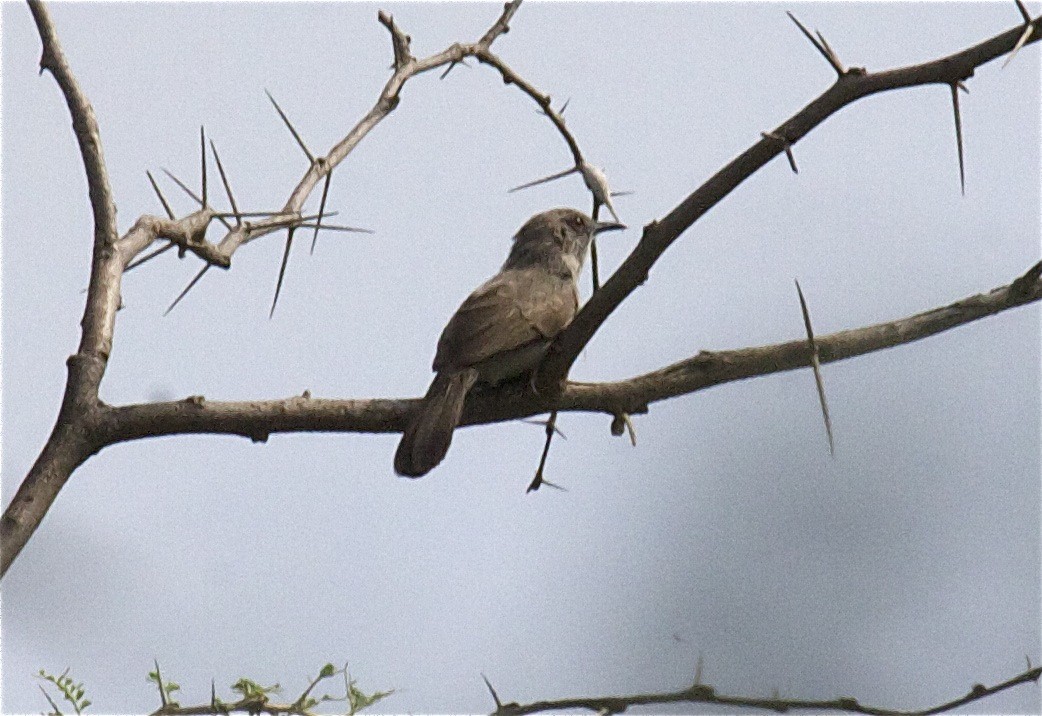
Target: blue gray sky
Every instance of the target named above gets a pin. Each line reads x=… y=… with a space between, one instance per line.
x=900 y=573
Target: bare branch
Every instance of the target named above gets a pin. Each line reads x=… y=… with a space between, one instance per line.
x=399 y=40
x=258 y=419
x=701 y=694
x=659 y=235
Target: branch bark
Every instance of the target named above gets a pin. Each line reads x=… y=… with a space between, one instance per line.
x=259 y=419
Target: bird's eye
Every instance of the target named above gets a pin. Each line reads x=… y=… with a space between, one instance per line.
x=576 y=223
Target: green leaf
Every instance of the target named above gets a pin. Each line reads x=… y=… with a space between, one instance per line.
x=327 y=671
x=171 y=686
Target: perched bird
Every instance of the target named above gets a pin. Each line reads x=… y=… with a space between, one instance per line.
x=503 y=329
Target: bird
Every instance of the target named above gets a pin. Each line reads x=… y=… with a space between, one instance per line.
x=503 y=329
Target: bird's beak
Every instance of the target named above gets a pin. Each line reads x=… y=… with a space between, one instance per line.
x=607 y=226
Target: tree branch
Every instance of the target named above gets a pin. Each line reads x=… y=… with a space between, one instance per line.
x=854 y=84
x=702 y=694
x=259 y=419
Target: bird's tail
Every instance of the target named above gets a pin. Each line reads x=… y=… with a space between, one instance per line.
x=429 y=434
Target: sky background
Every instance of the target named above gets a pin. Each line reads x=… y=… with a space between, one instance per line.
x=900 y=573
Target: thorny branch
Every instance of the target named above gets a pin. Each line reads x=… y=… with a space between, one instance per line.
x=853 y=84
x=85 y=425
x=699 y=693
x=259 y=419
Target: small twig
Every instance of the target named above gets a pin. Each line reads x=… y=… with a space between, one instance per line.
x=399 y=40
x=292 y=129
x=815 y=363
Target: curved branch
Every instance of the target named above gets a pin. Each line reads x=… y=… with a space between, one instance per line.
x=852 y=85
x=72 y=440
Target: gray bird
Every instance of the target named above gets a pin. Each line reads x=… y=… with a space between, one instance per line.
x=503 y=329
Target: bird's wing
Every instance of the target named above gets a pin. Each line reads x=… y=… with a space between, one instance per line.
x=510 y=310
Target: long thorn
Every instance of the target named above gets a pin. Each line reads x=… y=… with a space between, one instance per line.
x=1020 y=43
x=558 y=175
x=321 y=208
x=227 y=186
x=162 y=199
x=187 y=289
x=186 y=190
x=159 y=681
x=543 y=423
x=594 y=265
x=282 y=270
x=537 y=481
x=815 y=363
x=337 y=227
x=817 y=45
x=293 y=131
x=495 y=696
x=1023 y=12
x=833 y=57
x=137 y=262
x=448 y=69
x=958 y=138
x=202 y=152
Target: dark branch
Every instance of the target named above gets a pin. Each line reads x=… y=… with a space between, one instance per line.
x=659 y=235
x=701 y=694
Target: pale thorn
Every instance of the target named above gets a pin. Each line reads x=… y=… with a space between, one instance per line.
x=1020 y=43
x=597 y=183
